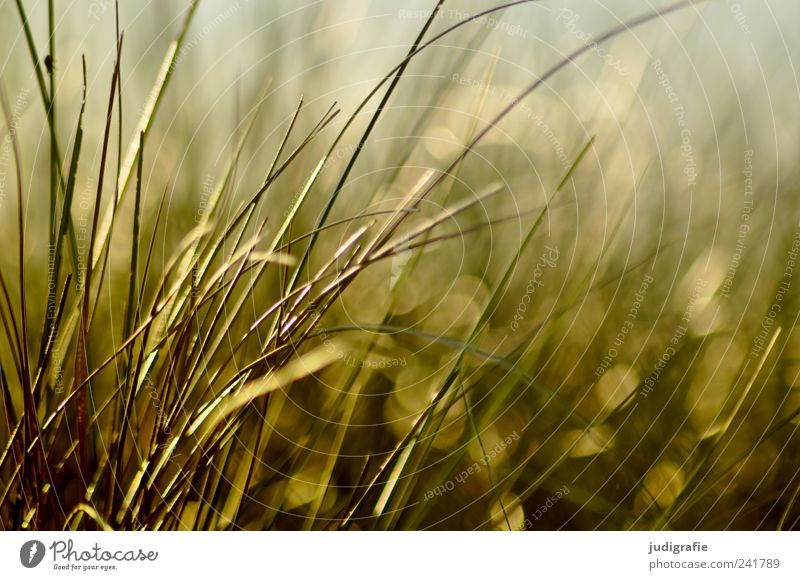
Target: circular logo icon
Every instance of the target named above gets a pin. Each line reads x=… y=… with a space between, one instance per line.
x=31 y=553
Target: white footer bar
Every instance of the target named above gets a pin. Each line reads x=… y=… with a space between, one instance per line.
x=355 y=555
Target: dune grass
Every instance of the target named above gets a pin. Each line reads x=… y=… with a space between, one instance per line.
x=163 y=391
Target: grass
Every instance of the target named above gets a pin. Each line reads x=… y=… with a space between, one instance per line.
x=253 y=369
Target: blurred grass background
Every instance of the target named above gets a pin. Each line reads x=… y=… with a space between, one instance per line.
x=634 y=358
